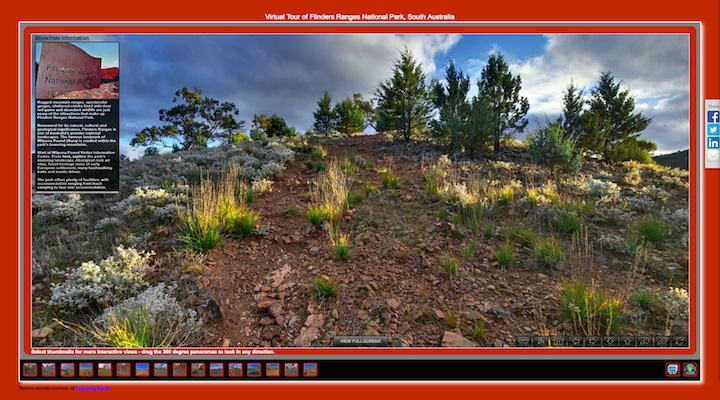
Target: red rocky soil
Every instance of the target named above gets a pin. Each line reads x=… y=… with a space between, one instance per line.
x=392 y=283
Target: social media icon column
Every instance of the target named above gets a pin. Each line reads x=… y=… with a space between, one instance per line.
x=712 y=133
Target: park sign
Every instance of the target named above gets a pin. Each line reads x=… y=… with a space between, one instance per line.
x=64 y=68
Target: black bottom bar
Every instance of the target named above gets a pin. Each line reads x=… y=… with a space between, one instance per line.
x=362 y=370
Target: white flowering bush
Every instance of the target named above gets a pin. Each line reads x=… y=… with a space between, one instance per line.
x=612 y=216
x=534 y=197
x=256 y=161
x=672 y=180
x=641 y=204
x=37 y=269
x=544 y=215
x=107 y=223
x=604 y=190
x=108 y=282
x=457 y=192
x=261 y=186
x=612 y=242
x=168 y=212
x=60 y=207
x=678 y=221
x=677 y=302
x=133 y=240
x=658 y=194
x=501 y=165
x=576 y=184
x=270 y=170
x=633 y=176
x=143 y=202
x=153 y=318
x=274 y=151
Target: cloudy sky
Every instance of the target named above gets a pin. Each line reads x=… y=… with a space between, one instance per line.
x=287 y=74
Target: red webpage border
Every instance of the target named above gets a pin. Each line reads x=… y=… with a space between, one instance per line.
x=707 y=12
x=273 y=28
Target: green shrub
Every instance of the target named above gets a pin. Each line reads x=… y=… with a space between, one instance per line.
x=315 y=166
x=548 y=254
x=591 y=311
x=389 y=180
x=292 y=210
x=354 y=198
x=449 y=266
x=339 y=241
x=479 y=330
x=349 y=167
x=548 y=147
x=318 y=153
x=442 y=213
x=643 y=298
x=468 y=251
x=369 y=188
x=654 y=231
x=323 y=288
x=520 y=234
x=341 y=248
x=238 y=137
x=526 y=236
x=244 y=223
x=198 y=234
x=317 y=215
x=505 y=255
x=488 y=231
x=452 y=319
x=259 y=135
x=632 y=149
x=506 y=195
x=567 y=222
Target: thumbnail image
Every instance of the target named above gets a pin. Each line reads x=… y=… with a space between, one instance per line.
x=48 y=369
x=272 y=369
x=216 y=369
x=235 y=369
x=142 y=369
x=179 y=369
x=104 y=369
x=67 y=369
x=453 y=224
x=160 y=369
x=291 y=369
x=310 y=369
x=197 y=369
x=254 y=369
x=123 y=369
x=85 y=369
x=68 y=71
x=30 y=369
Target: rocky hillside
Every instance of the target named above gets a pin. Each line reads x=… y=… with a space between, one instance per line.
x=428 y=249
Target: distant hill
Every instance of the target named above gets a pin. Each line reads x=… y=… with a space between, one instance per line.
x=677 y=160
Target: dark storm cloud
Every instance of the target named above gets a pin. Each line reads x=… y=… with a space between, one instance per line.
x=283 y=74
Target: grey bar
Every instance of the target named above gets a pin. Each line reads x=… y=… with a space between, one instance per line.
x=360 y=341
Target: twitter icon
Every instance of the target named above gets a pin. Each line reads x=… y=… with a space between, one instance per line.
x=713 y=129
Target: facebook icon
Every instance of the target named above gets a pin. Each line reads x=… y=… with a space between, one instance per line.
x=713 y=116
x=713 y=143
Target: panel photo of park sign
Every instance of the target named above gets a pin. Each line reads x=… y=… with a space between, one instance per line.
x=77 y=117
